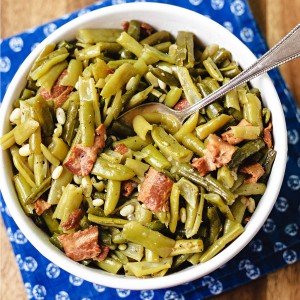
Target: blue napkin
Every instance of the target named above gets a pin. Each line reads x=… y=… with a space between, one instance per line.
x=276 y=245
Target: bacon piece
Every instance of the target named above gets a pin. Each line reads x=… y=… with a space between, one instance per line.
x=82 y=244
x=59 y=93
x=267 y=136
x=217 y=154
x=82 y=159
x=155 y=191
x=121 y=148
x=182 y=104
x=73 y=220
x=128 y=187
x=103 y=254
x=40 y=206
x=228 y=135
x=255 y=171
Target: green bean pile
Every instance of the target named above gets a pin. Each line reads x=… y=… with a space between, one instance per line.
x=77 y=88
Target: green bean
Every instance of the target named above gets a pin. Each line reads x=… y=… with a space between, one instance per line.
x=71 y=121
x=231 y=98
x=114 y=110
x=143 y=268
x=164 y=76
x=152 y=55
x=134 y=251
x=117 y=80
x=134 y=29
x=40 y=168
x=173 y=96
x=209 y=51
x=24 y=130
x=155 y=158
x=187 y=127
x=58 y=148
x=130 y=43
x=252 y=111
x=8 y=140
x=185 y=49
x=138 y=167
x=111 y=171
x=221 y=55
x=248 y=189
x=70 y=200
x=153 y=240
x=23 y=169
x=212 y=69
x=163 y=47
x=49 y=156
x=187 y=247
x=38 y=191
x=217 y=201
x=225 y=176
x=156 y=38
x=57 y=186
x=174 y=207
x=204 y=130
x=48 y=62
x=139 y=97
x=110 y=265
x=23 y=190
x=95 y=35
x=106 y=221
x=52 y=223
x=74 y=70
x=87 y=53
x=87 y=122
x=193 y=143
x=246 y=132
x=169 y=146
x=267 y=164
x=134 y=143
x=35 y=141
x=142 y=214
x=238 y=209
x=190 y=90
x=207 y=182
x=215 y=224
x=112 y=196
x=221 y=242
x=245 y=151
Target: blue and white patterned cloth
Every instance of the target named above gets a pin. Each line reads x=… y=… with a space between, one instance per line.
x=276 y=245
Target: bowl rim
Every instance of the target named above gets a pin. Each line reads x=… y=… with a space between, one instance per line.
x=41 y=242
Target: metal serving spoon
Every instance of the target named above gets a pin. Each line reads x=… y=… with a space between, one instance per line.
x=287 y=49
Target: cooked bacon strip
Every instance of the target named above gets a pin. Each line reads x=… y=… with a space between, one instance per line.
x=155 y=191
x=59 y=93
x=128 y=187
x=103 y=254
x=82 y=244
x=182 y=104
x=73 y=220
x=121 y=148
x=82 y=159
x=228 y=135
x=255 y=171
x=217 y=154
x=268 y=135
x=40 y=206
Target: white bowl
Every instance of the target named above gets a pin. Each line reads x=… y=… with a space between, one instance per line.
x=171 y=18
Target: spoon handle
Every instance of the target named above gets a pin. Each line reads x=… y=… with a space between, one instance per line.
x=287 y=49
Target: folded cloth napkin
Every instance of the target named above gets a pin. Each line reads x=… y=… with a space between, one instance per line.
x=277 y=243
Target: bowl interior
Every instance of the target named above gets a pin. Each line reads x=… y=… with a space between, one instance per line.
x=170 y=18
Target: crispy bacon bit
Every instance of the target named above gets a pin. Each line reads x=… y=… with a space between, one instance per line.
x=228 y=135
x=82 y=244
x=182 y=104
x=217 y=154
x=146 y=29
x=73 y=220
x=40 y=206
x=155 y=191
x=255 y=171
x=103 y=254
x=128 y=187
x=125 y=25
x=121 y=148
x=82 y=159
x=59 y=93
x=268 y=135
